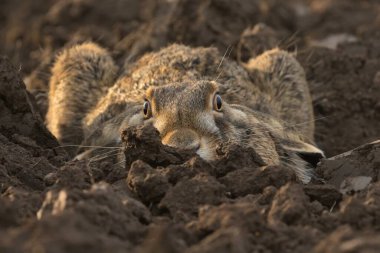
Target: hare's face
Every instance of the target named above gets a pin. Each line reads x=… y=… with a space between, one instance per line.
x=185 y=115
x=195 y=116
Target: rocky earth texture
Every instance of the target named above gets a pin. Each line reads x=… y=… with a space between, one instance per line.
x=166 y=200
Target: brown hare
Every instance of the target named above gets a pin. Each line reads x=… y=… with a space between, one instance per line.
x=194 y=97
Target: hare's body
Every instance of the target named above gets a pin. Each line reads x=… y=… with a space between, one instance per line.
x=265 y=105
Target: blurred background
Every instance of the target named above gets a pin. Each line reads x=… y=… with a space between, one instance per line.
x=337 y=42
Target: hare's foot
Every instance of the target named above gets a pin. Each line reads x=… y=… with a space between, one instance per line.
x=80 y=76
x=282 y=78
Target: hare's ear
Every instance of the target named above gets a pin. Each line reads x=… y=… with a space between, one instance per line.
x=306 y=151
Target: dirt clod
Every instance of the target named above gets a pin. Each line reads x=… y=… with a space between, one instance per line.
x=149 y=184
x=252 y=181
x=185 y=197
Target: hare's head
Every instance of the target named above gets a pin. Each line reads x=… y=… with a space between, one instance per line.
x=195 y=116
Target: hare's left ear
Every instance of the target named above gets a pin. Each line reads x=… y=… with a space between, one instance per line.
x=306 y=151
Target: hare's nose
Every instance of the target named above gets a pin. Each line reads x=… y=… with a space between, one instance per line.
x=182 y=139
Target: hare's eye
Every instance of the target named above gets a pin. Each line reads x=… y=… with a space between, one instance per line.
x=147 y=110
x=218 y=102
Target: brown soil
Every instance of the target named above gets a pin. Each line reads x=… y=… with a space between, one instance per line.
x=166 y=200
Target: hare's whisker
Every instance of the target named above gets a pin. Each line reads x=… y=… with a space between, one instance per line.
x=224 y=56
x=118 y=163
x=104 y=155
x=221 y=62
x=288 y=41
x=89 y=146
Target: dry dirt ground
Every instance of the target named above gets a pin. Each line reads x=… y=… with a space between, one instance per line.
x=170 y=201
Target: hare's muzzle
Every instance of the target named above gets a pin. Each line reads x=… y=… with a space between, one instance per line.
x=182 y=139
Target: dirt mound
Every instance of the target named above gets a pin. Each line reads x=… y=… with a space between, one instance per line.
x=345 y=87
x=165 y=200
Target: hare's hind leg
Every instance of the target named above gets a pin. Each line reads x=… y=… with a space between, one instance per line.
x=81 y=75
x=279 y=75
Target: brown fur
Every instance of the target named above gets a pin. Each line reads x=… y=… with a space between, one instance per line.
x=266 y=105
x=81 y=76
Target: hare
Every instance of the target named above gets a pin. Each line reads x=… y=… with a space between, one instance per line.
x=194 y=97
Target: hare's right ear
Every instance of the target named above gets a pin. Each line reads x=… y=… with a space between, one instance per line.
x=306 y=151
